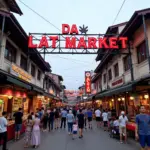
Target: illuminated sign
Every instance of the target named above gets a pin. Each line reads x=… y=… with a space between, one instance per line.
x=88 y=82
x=21 y=74
x=72 y=39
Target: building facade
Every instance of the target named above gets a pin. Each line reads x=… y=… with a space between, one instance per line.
x=122 y=79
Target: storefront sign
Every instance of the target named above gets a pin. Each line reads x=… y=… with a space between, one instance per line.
x=83 y=41
x=88 y=82
x=20 y=73
x=117 y=82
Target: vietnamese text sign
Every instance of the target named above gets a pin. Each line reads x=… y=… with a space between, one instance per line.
x=88 y=82
x=72 y=39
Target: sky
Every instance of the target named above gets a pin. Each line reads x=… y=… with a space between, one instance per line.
x=96 y=14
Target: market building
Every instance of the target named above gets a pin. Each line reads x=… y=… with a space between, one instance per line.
x=122 y=80
x=22 y=75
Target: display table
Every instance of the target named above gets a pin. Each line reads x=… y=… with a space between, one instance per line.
x=131 y=129
x=131 y=126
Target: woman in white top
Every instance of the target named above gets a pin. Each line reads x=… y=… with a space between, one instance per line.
x=105 y=120
x=122 y=126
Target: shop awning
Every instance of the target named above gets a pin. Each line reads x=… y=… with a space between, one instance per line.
x=19 y=83
x=48 y=95
x=118 y=90
x=56 y=98
x=39 y=90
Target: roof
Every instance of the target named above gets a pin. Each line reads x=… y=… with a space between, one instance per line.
x=51 y=79
x=83 y=86
x=110 y=30
x=131 y=26
x=95 y=77
x=17 y=34
x=59 y=76
x=135 y=22
x=13 y=6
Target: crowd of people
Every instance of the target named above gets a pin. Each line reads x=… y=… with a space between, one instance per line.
x=75 y=119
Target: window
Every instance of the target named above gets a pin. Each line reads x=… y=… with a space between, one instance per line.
x=116 y=70
x=10 y=53
x=109 y=75
x=126 y=62
x=105 y=78
x=141 y=52
x=39 y=75
x=23 y=63
x=32 y=70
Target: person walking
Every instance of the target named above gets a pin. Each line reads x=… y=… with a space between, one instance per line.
x=74 y=111
x=80 y=123
x=70 y=120
x=142 y=131
x=63 y=118
x=89 y=116
x=105 y=119
x=33 y=116
x=3 y=130
x=98 y=117
x=51 y=119
x=28 y=131
x=35 y=139
x=122 y=126
x=84 y=111
x=18 y=123
x=75 y=130
x=57 y=119
x=40 y=113
x=44 y=121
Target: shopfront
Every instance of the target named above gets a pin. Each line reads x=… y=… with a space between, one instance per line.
x=10 y=101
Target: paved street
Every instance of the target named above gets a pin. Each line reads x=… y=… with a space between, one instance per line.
x=95 y=139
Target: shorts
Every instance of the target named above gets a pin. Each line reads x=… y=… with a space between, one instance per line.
x=144 y=140
x=18 y=127
x=105 y=123
x=98 y=118
x=122 y=130
x=89 y=119
x=74 y=132
x=81 y=126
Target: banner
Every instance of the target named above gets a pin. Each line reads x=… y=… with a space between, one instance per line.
x=87 y=82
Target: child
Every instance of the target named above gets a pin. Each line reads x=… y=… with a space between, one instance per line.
x=75 y=130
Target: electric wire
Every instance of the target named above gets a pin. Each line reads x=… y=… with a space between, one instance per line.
x=119 y=11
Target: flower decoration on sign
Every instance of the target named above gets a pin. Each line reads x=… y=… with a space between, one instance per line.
x=83 y=29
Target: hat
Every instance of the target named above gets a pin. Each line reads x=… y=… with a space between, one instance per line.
x=122 y=113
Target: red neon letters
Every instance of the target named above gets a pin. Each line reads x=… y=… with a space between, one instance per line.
x=88 y=82
x=78 y=41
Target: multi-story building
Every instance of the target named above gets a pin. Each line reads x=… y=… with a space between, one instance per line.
x=122 y=77
x=22 y=74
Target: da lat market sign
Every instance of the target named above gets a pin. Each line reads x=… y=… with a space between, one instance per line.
x=72 y=37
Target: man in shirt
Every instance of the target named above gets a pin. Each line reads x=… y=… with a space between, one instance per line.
x=74 y=111
x=3 y=130
x=81 y=123
x=18 y=123
x=63 y=118
x=98 y=117
x=84 y=111
x=142 y=131
x=51 y=120
x=40 y=114
x=122 y=126
x=105 y=119
x=90 y=115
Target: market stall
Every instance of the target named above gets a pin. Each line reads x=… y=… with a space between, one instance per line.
x=10 y=101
